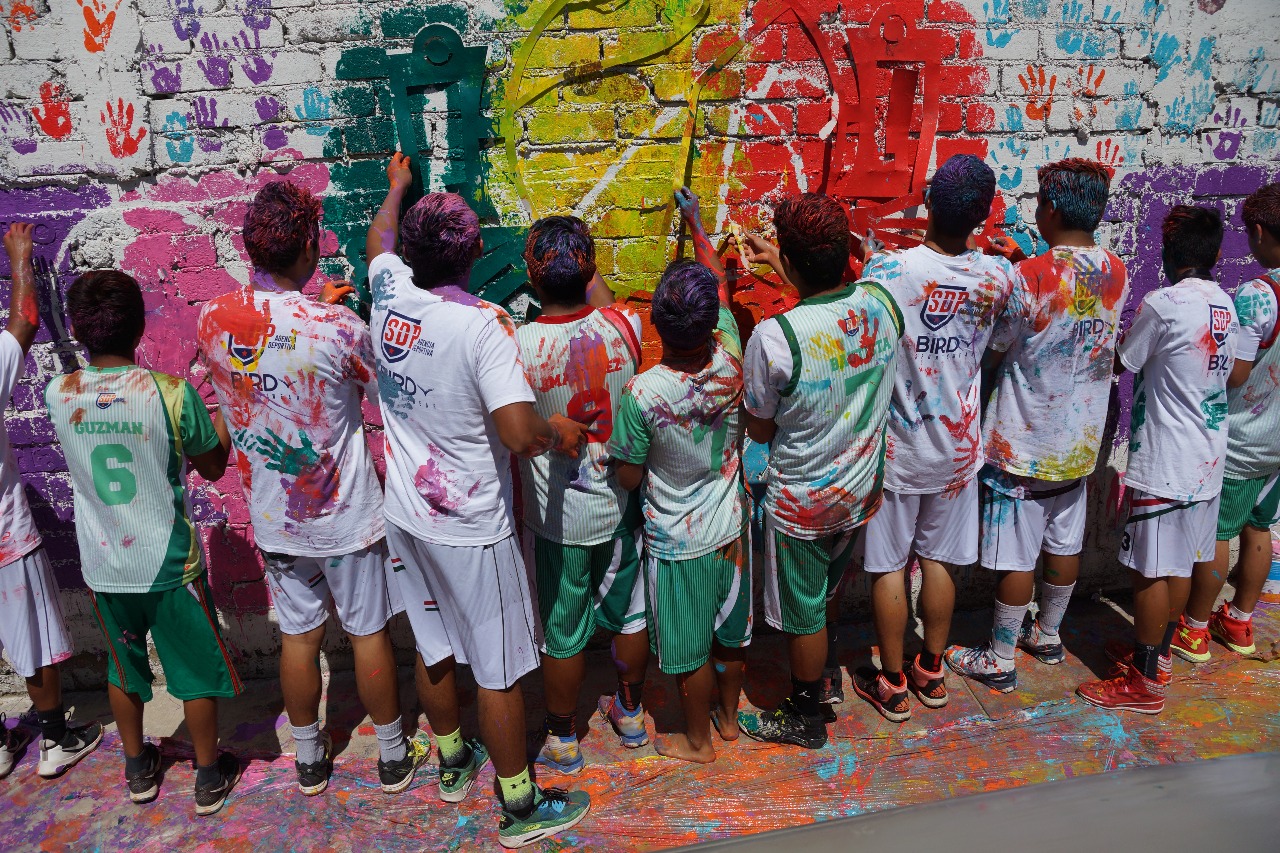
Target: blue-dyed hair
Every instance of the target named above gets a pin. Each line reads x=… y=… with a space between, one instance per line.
x=960 y=195
x=1077 y=188
x=561 y=258
x=686 y=305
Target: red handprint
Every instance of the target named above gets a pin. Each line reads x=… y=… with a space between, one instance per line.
x=1039 y=92
x=1109 y=155
x=56 y=119
x=20 y=13
x=119 y=122
x=97 y=24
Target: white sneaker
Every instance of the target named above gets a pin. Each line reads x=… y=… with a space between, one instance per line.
x=983 y=665
x=58 y=758
x=12 y=742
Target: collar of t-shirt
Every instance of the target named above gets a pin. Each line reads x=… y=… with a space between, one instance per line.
x=833 y=296
x=584 y=311
x=962 y=261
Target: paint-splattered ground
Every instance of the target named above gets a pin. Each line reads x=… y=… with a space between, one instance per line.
x=981 y=742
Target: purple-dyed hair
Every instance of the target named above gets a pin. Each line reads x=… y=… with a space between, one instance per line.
x=438 y=238
x=960 y=195
x=686 y=305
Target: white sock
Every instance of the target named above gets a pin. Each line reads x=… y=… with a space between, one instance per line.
x=1053 y=606
x=307 y=741
x=1195 y=623
x=1006 y=627
x=391 y=742
x=1236 y=613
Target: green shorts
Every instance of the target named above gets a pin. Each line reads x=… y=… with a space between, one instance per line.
x=1255 y=503
x=692 y=602
x=802 y=575
x=582 y=587
x=184 y=627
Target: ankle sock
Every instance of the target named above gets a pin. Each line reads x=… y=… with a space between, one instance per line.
x=896 y=680
x=136 y=763
x=562 y=725
x=1167 y=642
x=1238 y=614
x=210 y=775
x=1005 y=628
x=833 y=646
x=1195 y=623
x=1053 y=606
x=930 y=661
x=454 y=751
x=517 y=793
x=307 y=741
x=804 y=695
x=53 y=723
x=629 y=695
x=391 y=742
x=1146 y=661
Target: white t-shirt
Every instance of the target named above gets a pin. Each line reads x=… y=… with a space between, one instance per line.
x=949 y=305
x=446 y=361
x=1253 y=442
x=18 y=534
x=288 y=373
x=1182 y=345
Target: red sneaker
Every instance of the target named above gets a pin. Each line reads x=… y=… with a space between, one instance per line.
x=1121 y=654
x=1128 y=692
x=1190 y=643
x=1235 y=634
x=930 y=687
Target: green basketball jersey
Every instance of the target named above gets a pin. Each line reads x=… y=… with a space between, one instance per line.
x=126 y=432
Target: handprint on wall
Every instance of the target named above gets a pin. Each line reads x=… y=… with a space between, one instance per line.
x=54 y=113
x=1039 y=92
x=118 y=120
x=98 y=23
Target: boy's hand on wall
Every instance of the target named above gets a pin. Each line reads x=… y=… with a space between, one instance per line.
x=17 y=242
x=687 y=202
x=760 y=251
x=399 y=175
x=335 y=291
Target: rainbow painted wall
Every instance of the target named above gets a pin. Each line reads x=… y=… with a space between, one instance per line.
x=134 y=131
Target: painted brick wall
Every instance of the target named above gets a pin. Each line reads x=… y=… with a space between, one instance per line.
x=134 y=131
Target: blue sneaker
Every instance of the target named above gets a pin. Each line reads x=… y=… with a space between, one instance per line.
x=561 y=754
x=628 y=725
x=1045 y=649
x=553 y=811
x=983 y=665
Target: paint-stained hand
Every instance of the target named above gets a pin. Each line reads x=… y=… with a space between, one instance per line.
x=335 y=291
x=18 y=243
x=760 y=251
x=687 y=202
x=573 y=435
x=399 y=176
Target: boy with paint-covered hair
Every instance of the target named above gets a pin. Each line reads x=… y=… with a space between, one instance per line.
x=818 y=381
x=128 y=434
x=678 y=434
x=33 y=631
x=951 y=296
x=582 y=531
x=456 y=404
x=1052 y=352
x=1181 y=345
x=288 y=373
x=1250 y=502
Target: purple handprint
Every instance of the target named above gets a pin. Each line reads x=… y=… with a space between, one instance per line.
x=268 y=107
x=166 y=79
x=1227 y=144
x=257 y=14
x=254 y=62
x=186 y=24
x=15 y=125
x=206 y=116
x=217 y=66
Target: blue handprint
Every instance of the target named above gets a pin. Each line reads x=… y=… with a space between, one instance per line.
x=315 y=107
x=998 y=15
x=1165 y=54
x=177 y=139
x=1129 y=111
x=1270 y=114
x=1009 y=172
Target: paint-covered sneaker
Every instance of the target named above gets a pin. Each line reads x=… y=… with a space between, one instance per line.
x=211 y=797
x=930 y=687
x=785 y=725
x=1235 y=634
x=1130 y=691
x=1033 y=641
x=832 y=687
x=627 y=725
x=144 y=784
x=1121 y=654
x=554 y=811
x=455 y=782
x=314 y=778
x=890 y=701
x=395 y=776
x=12 y=742
x=1190 y=643
x=58 y=758
x=983 y=665
x=561 y=754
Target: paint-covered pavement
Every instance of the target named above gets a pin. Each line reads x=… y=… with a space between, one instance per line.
x=982 y=741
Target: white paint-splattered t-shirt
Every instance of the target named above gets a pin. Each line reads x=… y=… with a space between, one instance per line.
x=1182 y=345
x=1253 y=442
x=18 y=533
x=949 y=305
x=686 y=429
x=288 y=373
x=446 y=361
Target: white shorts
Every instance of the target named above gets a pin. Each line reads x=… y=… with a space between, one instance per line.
x=304 y=588
x=1164 y=538
x=942 y=526
x=1016 y=530
x=477 y=605
x=33 y=633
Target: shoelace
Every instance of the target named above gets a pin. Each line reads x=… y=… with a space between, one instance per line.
x=557 y=798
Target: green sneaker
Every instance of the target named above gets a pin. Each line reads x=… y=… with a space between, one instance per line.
x=554 y=811
x=455 y=782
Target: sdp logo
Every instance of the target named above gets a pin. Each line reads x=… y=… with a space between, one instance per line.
x=399 y=334
x=942 y=303
x=245 y=354
x=106 y=399
x=1219 y=323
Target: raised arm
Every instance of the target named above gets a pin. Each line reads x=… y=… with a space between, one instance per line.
x=24 y=309
x=761 y=251
x=385 y=229
x=704 y=252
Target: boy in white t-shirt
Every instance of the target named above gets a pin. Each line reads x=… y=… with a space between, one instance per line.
x=455 y=405
x=1182 y=345
x=289 y=373
x=1053 y=349
x=950 y=296
x=33 y=633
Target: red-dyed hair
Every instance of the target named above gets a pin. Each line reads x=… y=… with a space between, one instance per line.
x=813 y=232
x=1262 y=207
x=280 y=221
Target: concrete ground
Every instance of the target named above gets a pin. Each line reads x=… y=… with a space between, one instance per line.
x=982 y=741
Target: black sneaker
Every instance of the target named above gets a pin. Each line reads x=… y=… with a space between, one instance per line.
x=395 y=776
x=890 y=701
x=785 y=725
x=79 y=741
x=209 y=798
x=144 y=784
x=314 y=778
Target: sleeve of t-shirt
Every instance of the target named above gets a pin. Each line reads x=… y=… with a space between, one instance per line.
x=630 y=439
x=499 y=370
x=12 y=363
x=194 y=426
x=1008 y=325
x=383 y=270
x=766 y=369
x=362 y=365
x=1143 y=337
x=1256 y=308
x=727 y=332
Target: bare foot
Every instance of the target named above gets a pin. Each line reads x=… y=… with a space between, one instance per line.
x=726 y=724
x=678 y=746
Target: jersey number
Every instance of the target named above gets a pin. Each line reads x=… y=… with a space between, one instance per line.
x=114 y=483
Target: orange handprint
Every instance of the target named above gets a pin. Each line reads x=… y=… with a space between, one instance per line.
x=20 y=13
x=1039 y=92
x=1087 y=84
x=97 y=24
x=55 y=121
x=119 y=121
